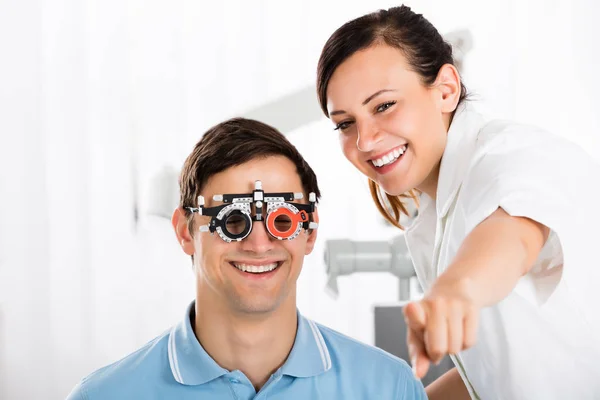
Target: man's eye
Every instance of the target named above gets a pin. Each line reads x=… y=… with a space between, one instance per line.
x=234 y=220
x=385 y=106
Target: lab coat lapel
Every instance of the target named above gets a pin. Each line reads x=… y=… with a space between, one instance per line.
x=461 y=142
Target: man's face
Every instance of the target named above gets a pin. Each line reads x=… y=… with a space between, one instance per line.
x=221 y=266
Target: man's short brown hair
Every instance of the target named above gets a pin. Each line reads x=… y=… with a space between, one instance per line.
x=234 y=142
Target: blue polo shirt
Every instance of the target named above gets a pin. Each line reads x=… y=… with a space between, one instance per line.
x=323 y=364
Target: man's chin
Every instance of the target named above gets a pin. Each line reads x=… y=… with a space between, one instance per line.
x=257 y=307
x=260 y=310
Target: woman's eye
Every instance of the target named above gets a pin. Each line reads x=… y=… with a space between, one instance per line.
x=342 y=125
x=385 y=106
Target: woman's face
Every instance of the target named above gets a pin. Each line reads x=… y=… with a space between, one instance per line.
x=391 y=126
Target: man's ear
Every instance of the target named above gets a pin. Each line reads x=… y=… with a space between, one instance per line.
x=312 y=236
x=449 y=87
x=180 y=225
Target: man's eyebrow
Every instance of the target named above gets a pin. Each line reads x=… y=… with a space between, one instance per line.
x=365 y=102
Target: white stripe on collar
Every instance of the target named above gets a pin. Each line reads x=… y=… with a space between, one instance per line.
x=325 y=357
x=172 y=350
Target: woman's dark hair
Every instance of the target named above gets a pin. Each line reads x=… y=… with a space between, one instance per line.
x=424 y=48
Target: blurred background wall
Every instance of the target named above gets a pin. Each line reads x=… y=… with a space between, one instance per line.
x=98 y=98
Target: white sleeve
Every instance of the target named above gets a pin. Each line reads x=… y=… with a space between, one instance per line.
x=530 y=173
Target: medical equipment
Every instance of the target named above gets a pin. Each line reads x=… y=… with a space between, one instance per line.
x=345 y=257
x=233 y=220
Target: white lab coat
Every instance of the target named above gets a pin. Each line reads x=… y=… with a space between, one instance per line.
x=543 y=340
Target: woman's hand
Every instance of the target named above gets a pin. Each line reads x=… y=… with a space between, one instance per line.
x=486 y=268
x=443 y=322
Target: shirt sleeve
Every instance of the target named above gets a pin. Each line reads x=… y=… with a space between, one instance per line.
x=530 y=173
x=410 y=388
x=78 y=393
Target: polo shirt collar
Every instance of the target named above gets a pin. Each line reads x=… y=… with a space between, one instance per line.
x=191 y=365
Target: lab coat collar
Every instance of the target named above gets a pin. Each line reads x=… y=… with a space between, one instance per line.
x=461 y=142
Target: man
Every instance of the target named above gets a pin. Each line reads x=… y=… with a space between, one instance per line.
x=247 y=218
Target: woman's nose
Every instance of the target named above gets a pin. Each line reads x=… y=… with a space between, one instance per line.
x=368 y=137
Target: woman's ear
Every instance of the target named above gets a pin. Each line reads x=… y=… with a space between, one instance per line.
x=449 y=87
x=180 y=225
x=312 y=236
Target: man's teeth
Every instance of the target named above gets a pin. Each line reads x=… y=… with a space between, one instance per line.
x=389 y=157
x=255 y=269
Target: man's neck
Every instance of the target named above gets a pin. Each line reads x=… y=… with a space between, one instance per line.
x=255 y=345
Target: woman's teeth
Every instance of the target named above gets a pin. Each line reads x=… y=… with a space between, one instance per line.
x=255 y=269
x=389 y=157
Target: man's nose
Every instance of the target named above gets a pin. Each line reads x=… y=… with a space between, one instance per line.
x=259 y=240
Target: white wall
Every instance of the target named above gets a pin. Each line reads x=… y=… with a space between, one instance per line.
x=98 y=95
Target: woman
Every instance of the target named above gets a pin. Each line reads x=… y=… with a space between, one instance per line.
x=503 y=244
